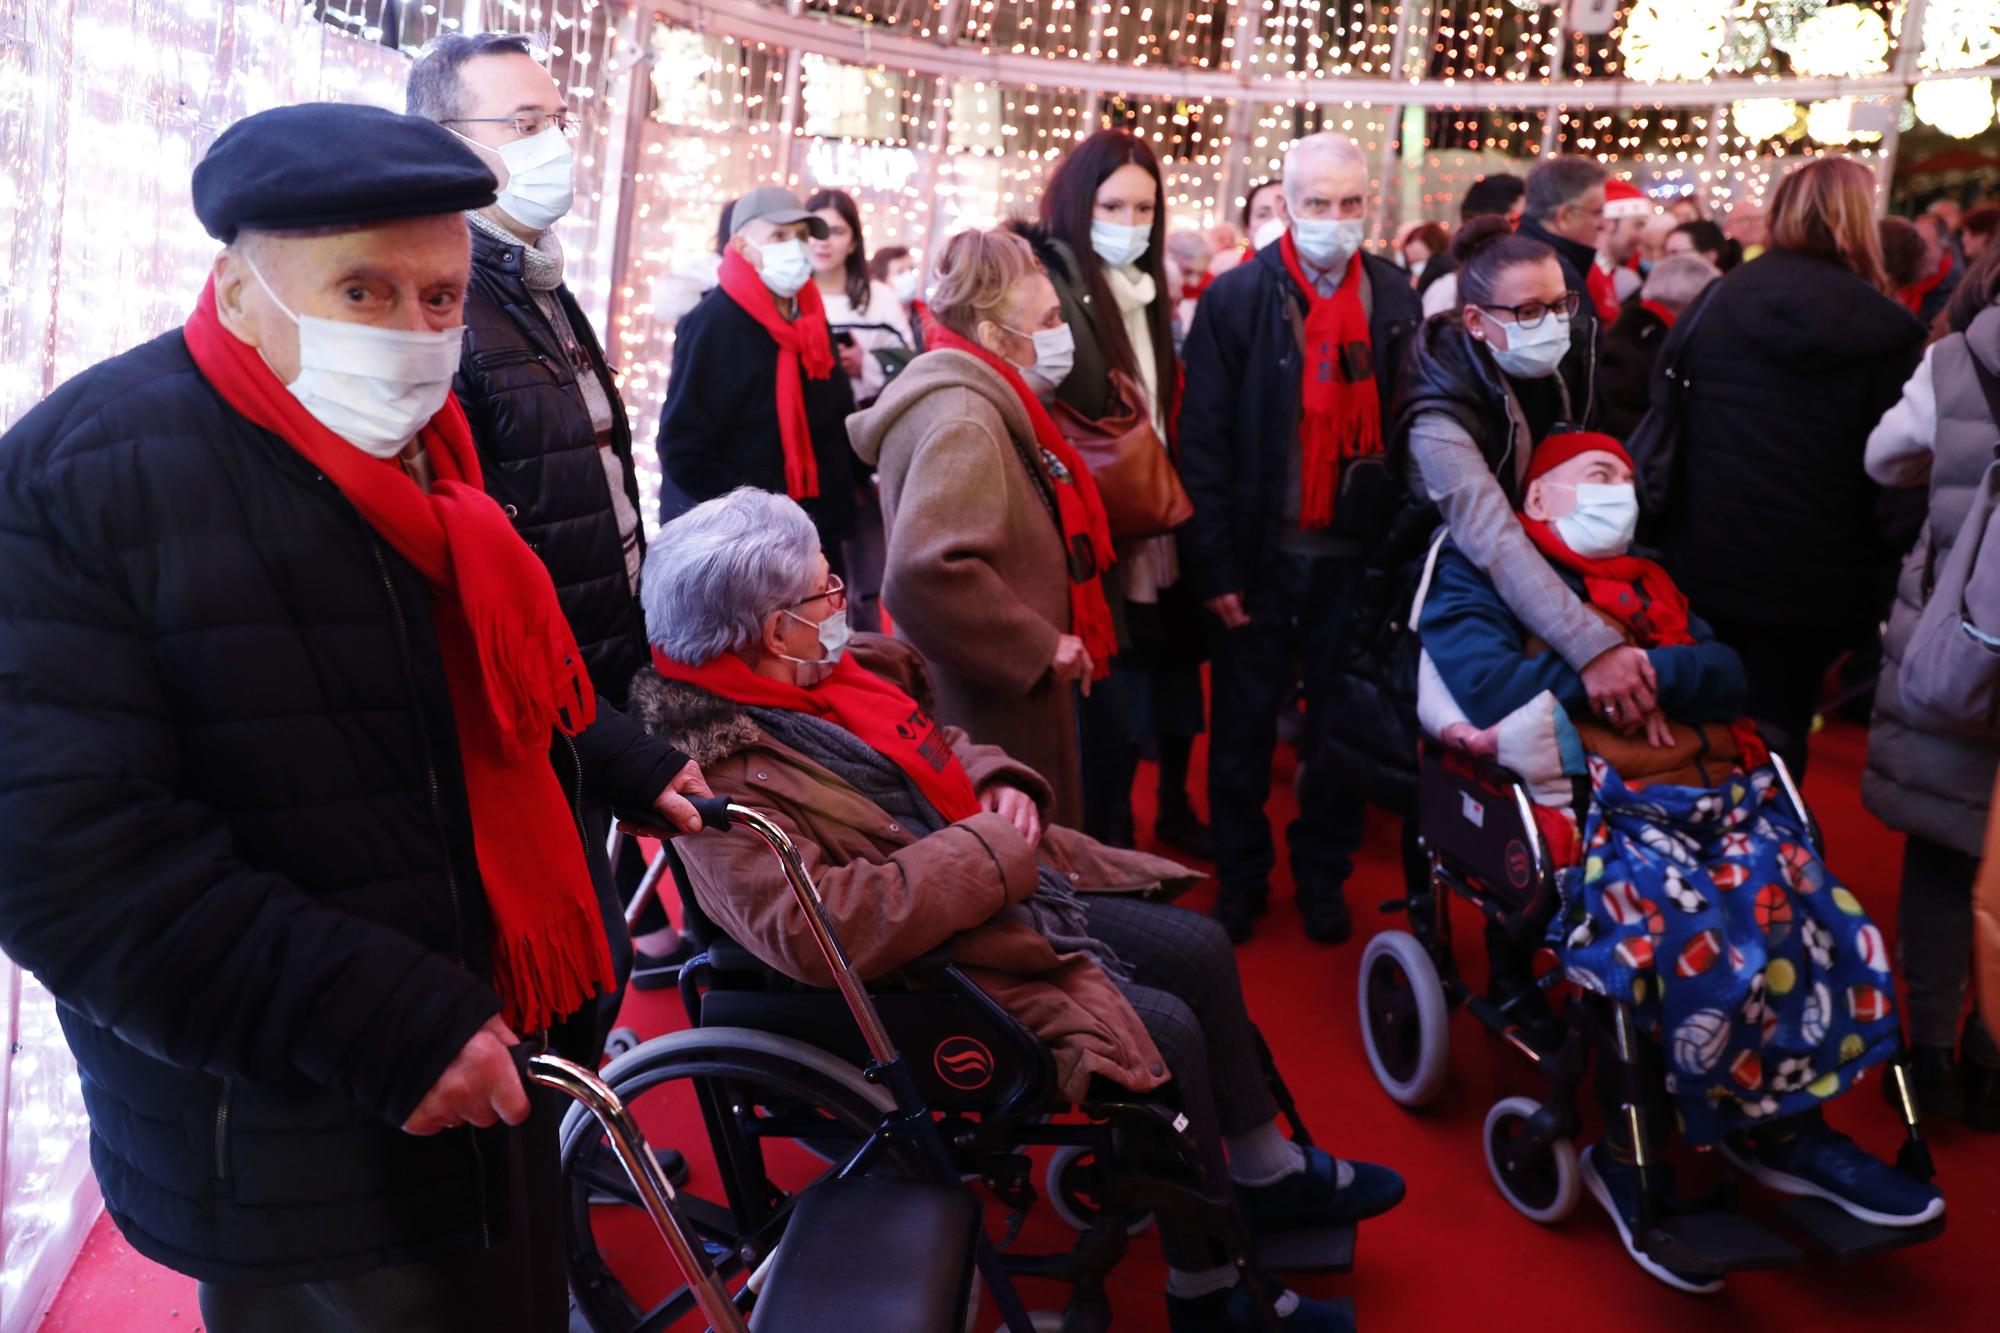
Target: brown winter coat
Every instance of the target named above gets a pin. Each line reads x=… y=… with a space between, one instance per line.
x=976 y=576
x=892 y=896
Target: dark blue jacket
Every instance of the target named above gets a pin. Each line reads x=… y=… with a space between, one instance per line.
x=234 y=840
x=1480 y=650
x=719 y=429
x=1239 y=418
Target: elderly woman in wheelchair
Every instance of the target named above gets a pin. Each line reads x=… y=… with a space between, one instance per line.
x=1692 y=903
x=920 y=839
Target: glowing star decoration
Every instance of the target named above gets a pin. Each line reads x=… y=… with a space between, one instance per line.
x=1831 y=122
x=1674 y=39
x=1841 y=41
x=1961 y=34
x=1781 y=17
x=1747 y=49
x=1759 y=118
x=1961 y=108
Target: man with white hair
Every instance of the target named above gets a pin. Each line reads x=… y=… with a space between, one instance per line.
x=1632 y=347
x=289 y=778
x=1290 y=366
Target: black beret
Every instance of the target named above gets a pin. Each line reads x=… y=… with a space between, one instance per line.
x=333 y=164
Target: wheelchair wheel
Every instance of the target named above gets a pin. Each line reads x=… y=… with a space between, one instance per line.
x=1543 y=1186
x=760 y=1097
x=1070 y=1185
x=1404 y=1019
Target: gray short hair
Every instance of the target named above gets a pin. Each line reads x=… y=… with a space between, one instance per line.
x=1326 y=144
x=1676 y=280
x=1562 y=180
x=435 y=90
x=716 y=573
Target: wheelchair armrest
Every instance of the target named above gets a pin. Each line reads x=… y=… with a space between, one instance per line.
x=928 y=966
x=1435 y=752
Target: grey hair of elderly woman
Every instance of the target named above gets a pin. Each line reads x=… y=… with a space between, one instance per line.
x=715 y=574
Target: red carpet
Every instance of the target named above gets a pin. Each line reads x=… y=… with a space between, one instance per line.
x=1455 y=1254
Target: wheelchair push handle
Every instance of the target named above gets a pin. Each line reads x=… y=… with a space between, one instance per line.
x=714 y=812
x=656 y=1192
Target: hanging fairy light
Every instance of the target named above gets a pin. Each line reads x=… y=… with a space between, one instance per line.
x=1840 y=41
x=1831 y=121
x=1960 y=108
x=1674 y=39
x=1961 y=34
x=1757 y=118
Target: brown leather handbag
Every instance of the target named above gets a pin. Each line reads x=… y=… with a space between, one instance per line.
x=1143 y=495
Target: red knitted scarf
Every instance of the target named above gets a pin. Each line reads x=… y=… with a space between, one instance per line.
x=1340 y=413
x=804 y=344
x=512 y=666
x=1636 y=592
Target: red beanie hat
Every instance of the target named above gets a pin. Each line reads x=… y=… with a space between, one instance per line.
x=1556 y=450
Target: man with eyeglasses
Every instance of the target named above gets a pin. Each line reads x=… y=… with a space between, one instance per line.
x=1566 y=213
x=1290 y=367
x=551 y=433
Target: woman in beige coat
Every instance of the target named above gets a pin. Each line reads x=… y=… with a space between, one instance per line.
x=977 y=576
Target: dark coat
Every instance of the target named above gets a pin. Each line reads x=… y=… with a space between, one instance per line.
x=1447 y=370
x=1770 y=517
x=234 y=840
x=1239 y=421
x=541 y=458
x=720 y=427
x=1625 y=385
x=1586 y=330
x=1087 y=387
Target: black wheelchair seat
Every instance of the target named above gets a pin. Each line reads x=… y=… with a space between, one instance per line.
x=872 y=1255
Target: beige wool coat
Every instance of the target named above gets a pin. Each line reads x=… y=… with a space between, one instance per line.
x=893 y=896
x=976 y=576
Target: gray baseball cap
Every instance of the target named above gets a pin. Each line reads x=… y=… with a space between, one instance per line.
x=774 y=203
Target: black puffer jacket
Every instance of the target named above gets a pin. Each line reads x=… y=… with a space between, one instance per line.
x=234 y=841
x=1450 y=372
x=541 y=457
x=1770 y=516
x=1631 y=352
x=1586 y=330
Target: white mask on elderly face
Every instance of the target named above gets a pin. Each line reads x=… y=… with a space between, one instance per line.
x=784 y=266
x=1604 y=521
x=1055 y=357
x=833 y=638
x=375 y=388
x=1327 y=243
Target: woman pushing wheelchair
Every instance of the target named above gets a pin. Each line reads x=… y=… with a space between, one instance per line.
x=1696 y=894
x=918 y=838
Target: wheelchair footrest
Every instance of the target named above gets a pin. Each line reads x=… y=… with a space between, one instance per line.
x=1717 y=1242
x=1829 y=1227
x=1308 y=1250
x=872 y=1255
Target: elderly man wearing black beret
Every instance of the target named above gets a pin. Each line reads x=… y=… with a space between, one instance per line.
x=296 y=736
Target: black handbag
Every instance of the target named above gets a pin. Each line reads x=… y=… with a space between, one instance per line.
x=1655 y=443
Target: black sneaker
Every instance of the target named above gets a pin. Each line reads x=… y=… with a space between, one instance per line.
x=1238 y=909
x=1183 y=831
x=1982 y=1099
x=1235 y=1311
x=1326 y=916
x=1615 y=1186
x=1934 y=1079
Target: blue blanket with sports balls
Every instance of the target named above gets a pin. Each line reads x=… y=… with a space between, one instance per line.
x=1763 y=979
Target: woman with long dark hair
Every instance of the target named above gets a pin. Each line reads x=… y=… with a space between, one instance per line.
x=1102 y=239
x=864 y=314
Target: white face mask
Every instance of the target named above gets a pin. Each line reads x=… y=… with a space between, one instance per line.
x=1120 y=243
x=1534 y=354
x=1055 y=356
x=833 y=636
x=541 y=179
x=784 y=266
x=1603 y=522
x=1417 y=269
x=904 y=284
x=1327 y=243
x=1269 y=230
x=374 y=388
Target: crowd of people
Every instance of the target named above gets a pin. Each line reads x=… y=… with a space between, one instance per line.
x=337 y=645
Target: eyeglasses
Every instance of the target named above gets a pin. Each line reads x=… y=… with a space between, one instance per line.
x=1530 y=314
x=835 y=595
x=528 y=124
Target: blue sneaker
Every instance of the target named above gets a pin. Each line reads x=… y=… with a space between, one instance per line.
x=1821 y=1162
x=1615 y=1186
x=1328 y=1192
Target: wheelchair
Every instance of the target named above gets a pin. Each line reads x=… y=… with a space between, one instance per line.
x=917 y=1078
x=1478 y=832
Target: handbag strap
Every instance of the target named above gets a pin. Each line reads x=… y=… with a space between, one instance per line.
x=1690 y=320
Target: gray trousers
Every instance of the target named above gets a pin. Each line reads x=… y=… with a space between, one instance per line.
x=1934 y=919
x=1186 y=991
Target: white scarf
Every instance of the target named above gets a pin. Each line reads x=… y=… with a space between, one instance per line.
x=1151 y=563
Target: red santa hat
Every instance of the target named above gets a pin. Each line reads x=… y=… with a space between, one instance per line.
x=1556 y=450
x=1622 y=199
